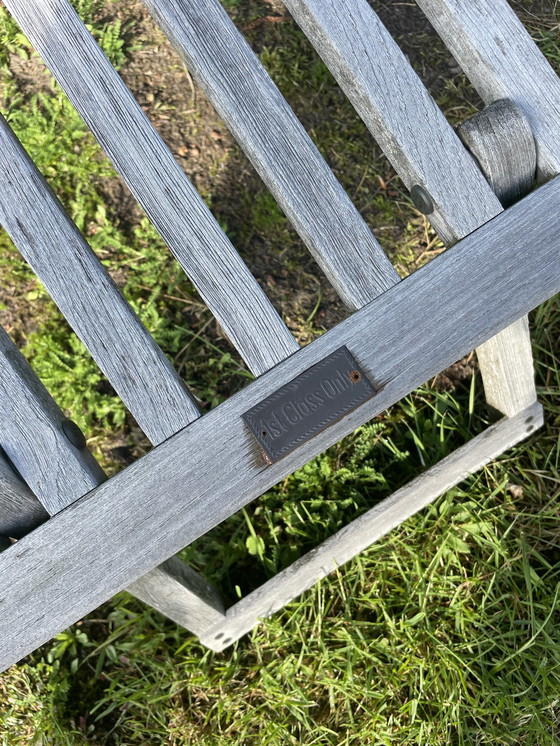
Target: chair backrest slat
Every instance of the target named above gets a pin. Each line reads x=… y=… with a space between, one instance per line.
x=156 y=180
x=32 y=435
x=277 y=144
x=502 y=61
x=398 y=110
x=88 y=297
x=20 y=511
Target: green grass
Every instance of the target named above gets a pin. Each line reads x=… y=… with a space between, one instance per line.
x=445 y=631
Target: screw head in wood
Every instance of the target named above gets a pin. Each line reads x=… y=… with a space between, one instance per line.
x=74 y=434
x=421 y=199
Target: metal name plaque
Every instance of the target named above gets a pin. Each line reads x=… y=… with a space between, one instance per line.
x=308 y=404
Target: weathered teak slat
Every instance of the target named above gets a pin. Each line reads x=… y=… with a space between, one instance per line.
x=420 y=143
x=32 y=435
x=396 y=107
x=284 y=155
x=210 y=469
x=89 y=299
x=371 y=526
x=156 y=180
x=20 y=511
x=502 y=61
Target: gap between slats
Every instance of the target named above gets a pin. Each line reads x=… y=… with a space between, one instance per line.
x=58 y=472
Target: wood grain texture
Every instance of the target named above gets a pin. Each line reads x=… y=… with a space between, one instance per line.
x=32 y=437
x=156 y=180
x=284 y=155
x=59 y=473
x=506 y=365
x=89 y=299
x=212 y=468
x=181 y=594
x=502 y=61
x=97 y=311
x=501 y=140
x=20 y=511
x=371 y=526
x=399 y=112
x=422 y=146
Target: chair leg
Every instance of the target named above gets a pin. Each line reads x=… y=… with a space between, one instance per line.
x=501 y=139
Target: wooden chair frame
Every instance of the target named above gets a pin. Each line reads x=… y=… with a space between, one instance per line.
x=105 y=535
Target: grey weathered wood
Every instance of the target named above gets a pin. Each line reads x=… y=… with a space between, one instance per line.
x=371 y=526
x=399 y=112
x=89 y=299
x=284 y=155
x=181 y=594
x=501 y=140
x=20 y=511
x=95 y=308
x=104 y=321
x=156 y=180
x=32 y=437
x=502 y=61
x=506 y=365
x=420 y=143
x=212 y=468
x=59 y=473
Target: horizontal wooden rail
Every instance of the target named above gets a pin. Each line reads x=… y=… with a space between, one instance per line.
x=212 y=468
x=371 y=526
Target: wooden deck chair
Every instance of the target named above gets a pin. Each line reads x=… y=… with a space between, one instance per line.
x=81 y=538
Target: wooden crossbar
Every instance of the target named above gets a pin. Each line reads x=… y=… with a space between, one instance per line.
x=156 y=180
x=212 y=468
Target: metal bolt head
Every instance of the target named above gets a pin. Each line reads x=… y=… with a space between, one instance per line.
x=421 y=199
x=74 y=434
